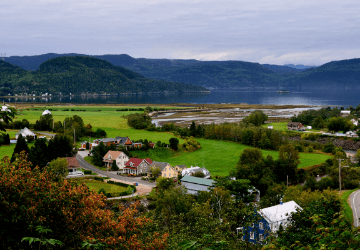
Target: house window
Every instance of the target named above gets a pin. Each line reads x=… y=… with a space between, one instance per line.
x=261 y=226
x=169 y=175
x=261 y=237
x=252 y=235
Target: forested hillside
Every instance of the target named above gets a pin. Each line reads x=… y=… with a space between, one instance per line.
x=227 y=74
x=83 y=75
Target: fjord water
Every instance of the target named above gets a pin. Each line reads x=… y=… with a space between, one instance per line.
x=344 y=97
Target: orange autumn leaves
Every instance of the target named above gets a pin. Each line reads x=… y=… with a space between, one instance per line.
x=74 y=213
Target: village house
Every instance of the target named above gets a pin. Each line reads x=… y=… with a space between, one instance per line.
x=344 y=113
x=120 y=158
x=137 y=166
x=270 y=219
x=192 y=170
x=73 y=166
x=195 y=184
x=295 y=126
x=46 y=112
x=180 y=168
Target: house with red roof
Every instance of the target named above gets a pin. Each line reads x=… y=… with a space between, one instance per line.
x=120 y=157
x=137 y=166
x=73 y=165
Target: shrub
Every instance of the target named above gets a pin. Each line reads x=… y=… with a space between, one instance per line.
x=87 y=172
x=99 y=179
x=310 y=149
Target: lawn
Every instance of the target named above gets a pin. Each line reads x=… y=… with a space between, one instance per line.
x=88 y=159
x=219 y=157
x=109 y=188
x=11 y=133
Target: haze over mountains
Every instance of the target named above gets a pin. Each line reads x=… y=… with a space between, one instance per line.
x=225 y=74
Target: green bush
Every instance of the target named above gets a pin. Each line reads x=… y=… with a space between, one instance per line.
x=98 y=179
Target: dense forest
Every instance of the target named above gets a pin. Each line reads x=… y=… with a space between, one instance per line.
x=225 y=74
x=83 y=75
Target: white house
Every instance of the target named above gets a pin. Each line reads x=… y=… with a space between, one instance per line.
x=309 y=127
x=120 y=157
x=5 y=109
x=270 y=127
x=192 y=170
x=46 y=112
x=355 y=122
x=25 y=132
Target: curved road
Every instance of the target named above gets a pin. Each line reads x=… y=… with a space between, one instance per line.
x=88 y=166
x=355 y=206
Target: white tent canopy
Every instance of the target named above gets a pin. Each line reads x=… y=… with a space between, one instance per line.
x=46 y=112
x=25 y=132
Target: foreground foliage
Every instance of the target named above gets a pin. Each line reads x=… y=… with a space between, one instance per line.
x=31 y=198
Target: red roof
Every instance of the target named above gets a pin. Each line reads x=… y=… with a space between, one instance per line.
x=72 y=162
x=136 y=162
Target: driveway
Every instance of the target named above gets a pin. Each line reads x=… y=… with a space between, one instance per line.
x=112 y=175
x=355 y=206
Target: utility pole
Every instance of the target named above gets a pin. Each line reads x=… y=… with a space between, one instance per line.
x=287 y=180
x=74 y=139
x=340 y=174
x=64 y=126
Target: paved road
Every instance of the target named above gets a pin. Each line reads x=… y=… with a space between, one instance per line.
x=355 y=206
x=45 y=133
x=88 y=166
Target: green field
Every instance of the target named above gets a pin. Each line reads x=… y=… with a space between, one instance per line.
x=11 y=133
x=135 y=134
x=106 y=117
x=282 y=126
x=7 y=150
x=219 y=157
x=109 y=188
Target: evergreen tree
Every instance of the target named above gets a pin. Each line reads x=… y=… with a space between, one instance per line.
x=19 y=147
x=193 y=129
x=60 y=146
x=98 y=153
x=38 y=154
x=114 y=167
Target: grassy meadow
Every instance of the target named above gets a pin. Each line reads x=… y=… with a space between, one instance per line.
x=282 y=126
x=7 y=150
x=219 y=157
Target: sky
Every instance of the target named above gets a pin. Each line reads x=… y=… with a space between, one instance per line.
x=309 y=32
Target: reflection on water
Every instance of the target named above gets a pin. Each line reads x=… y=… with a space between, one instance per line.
x=316 y=97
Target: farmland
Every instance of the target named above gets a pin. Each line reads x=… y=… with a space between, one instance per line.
x=219 y=157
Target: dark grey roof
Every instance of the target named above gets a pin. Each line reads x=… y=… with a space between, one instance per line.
x=181 y=166
x=121 y=140
x=107 y=139
x=158 y=164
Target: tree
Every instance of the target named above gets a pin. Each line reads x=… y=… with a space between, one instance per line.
x=256 y=118
x=38 y=154
x=339 y=124
x=191 y=144
x=287 y=163
x=318 y=123
x=163 y=183
x=199 y=174
x=100 y=133
x=6 y=116
x=174 y=142
x=193 y=129
x=60 y=146
x=155 y=171
x=139 y=121
x=98 y=153
x=45 y=123
x=114 y=167
x=19 y=147
x=57 y=168
x=72 y=211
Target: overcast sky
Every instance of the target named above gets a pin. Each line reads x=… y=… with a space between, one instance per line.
x=310 y=32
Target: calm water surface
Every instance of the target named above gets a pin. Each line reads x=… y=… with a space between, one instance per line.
x=318 y=97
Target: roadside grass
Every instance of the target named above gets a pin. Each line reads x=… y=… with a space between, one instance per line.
x=88 y=159
x=109 y=188
x=345 y=205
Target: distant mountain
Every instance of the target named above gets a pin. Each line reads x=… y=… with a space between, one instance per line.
x=333 y=75
x=227 y=74
x=83 y=75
